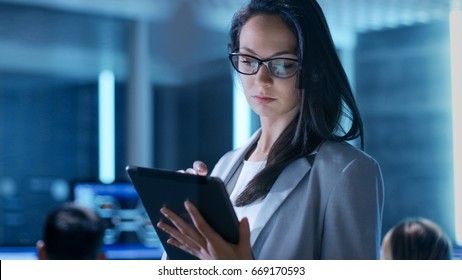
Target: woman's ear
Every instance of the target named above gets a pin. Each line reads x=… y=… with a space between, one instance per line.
x=41 y=250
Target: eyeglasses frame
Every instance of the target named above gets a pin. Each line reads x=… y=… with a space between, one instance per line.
x=262 y=62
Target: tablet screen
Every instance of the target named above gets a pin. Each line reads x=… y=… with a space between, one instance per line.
x=161 y=188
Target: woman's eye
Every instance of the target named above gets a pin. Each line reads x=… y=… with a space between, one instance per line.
x=289 y=65
x=249 y=62
x=284 y=64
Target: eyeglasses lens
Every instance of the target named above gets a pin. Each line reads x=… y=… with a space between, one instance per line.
x=279 y=67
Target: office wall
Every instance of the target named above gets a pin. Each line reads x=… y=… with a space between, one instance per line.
x=48 y=137
x=403 y=88
x=193 y=121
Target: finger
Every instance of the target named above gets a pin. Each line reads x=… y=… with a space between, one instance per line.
x=191 y=171
x=244 y=231
x=177 y=221
x=244 y=238
x=180 y=171
x=181 y=240
x=201 y=225
x=178 y=236
x=200 y=167
x=183 y=227
x=183 y=247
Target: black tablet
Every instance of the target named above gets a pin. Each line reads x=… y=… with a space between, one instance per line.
x=158 y=188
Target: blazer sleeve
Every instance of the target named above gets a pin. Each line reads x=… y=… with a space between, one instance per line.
x=353 y=214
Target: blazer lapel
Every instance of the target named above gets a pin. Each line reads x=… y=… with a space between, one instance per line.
x=284 y=185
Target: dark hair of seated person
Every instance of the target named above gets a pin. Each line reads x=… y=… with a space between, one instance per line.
x=72 y=232
x=416 y=239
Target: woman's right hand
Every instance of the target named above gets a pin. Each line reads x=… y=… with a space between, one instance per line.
x=201 y=240
x=199 y=168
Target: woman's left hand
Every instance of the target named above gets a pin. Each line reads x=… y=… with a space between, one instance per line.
x=202 y=241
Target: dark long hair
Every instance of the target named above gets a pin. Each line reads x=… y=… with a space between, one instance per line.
x=326 y=95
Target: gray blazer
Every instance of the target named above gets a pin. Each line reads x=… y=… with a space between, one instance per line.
x=326 y=206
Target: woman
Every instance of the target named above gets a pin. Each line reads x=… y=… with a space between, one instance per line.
x=300 y=190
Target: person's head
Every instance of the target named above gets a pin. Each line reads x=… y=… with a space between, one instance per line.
x=308 y=86
x=72 y=232
x=416 y=239
x=321 y=84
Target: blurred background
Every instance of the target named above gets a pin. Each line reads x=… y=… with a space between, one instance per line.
x=87 y=87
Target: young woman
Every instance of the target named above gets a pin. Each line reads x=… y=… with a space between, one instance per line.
x=300 y=190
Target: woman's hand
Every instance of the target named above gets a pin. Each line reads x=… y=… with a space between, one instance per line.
x=202 y=241
x=199 y=168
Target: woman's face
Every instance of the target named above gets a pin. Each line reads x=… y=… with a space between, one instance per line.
x=268 y=36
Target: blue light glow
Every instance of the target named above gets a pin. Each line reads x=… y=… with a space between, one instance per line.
x=456 y=70
x=106 y=126
x=241 y=115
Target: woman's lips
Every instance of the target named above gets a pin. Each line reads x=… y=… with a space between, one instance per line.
x=263 y=99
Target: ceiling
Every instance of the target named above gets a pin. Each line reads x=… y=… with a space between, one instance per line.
x=357 y=15
x=37 y=34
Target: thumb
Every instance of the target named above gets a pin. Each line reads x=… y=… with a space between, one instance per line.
x=244 y=237
x=200 y=167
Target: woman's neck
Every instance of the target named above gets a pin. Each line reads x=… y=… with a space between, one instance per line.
x=270 y=132
x=256 y=155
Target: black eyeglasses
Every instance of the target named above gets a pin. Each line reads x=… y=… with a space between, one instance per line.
x=278 y=67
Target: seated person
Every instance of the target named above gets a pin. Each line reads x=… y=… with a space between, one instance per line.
x=72 y=232
x=416 y=239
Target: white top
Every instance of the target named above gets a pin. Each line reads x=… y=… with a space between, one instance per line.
x=249 y=170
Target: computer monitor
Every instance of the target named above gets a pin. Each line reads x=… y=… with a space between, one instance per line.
x=129 y=233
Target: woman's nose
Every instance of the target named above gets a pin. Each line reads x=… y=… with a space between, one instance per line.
x=263 y=76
